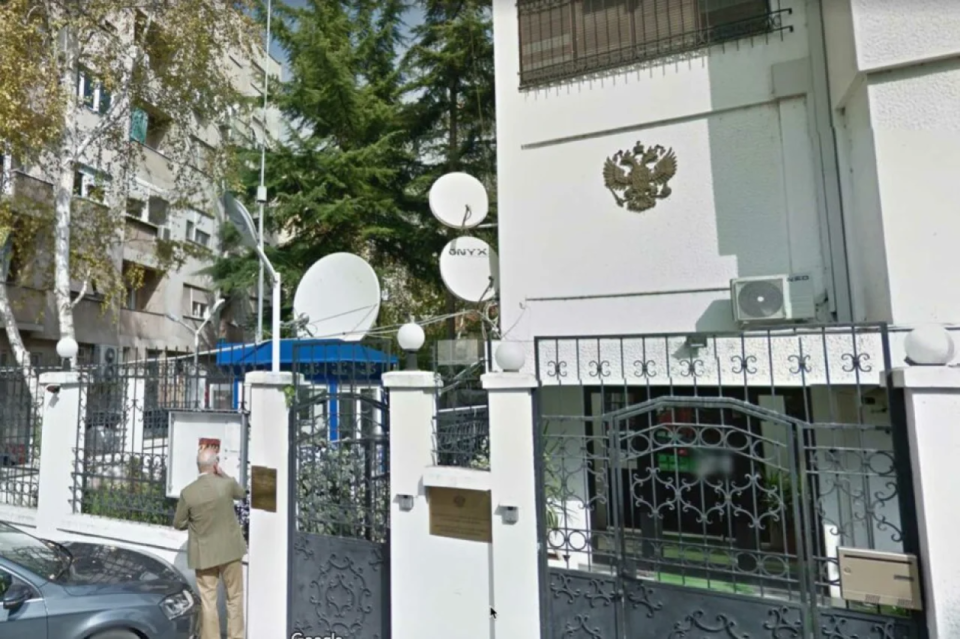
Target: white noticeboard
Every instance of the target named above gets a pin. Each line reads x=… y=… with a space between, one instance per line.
x=191 y=429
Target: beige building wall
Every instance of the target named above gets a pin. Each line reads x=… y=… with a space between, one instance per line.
x=141 y=325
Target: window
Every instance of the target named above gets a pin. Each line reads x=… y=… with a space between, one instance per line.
x=92 y=92
x=201 y=238
x=197 y=236
x=153 y=211
x=88 y=184
x=142 y=284
x=203 y=155
x=196 y=302
x=149 y=128
x=561 y=40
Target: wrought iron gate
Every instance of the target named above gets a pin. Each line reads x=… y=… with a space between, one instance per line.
x=696 y=508
x=339 y=490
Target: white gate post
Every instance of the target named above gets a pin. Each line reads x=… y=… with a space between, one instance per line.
x=268 y=560
x=59 y=396
x=413 y=614
x=931 y=393
x=516 y=571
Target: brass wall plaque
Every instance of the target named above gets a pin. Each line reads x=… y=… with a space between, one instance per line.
x=263 y=489
x=460 y=514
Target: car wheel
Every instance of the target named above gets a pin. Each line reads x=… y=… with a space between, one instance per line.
x=116 y=634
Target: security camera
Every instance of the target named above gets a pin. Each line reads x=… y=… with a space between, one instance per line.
x=53 y=388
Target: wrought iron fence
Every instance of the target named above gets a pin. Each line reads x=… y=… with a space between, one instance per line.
x=563 y=39
x=20 y=437
x=122 y=450
x=462 y=422
x=340 y=433
x=735 y=463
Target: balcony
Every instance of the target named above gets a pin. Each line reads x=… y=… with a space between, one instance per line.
x=28 y=188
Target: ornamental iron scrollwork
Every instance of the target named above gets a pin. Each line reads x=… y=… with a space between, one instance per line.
x=599 y=368
x=744 y=364
x=857 y=362
x=646 y=368
x=694 y=511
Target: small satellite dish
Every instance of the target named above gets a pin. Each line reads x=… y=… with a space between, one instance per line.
x=240 y=217
x=338 y=298
x=470 y=269
x=459 y=201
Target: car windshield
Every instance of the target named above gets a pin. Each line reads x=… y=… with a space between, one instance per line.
x=29 y=552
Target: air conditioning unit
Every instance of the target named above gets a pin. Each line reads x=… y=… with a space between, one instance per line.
x=773 y=298
x=106 y=358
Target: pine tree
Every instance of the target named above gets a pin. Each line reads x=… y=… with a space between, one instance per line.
x=340 y=181
x=450 y=111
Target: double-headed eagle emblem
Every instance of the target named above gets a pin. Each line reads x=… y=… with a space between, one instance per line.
x=639 y=177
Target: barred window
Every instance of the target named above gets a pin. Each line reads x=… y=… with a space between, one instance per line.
x=561 y=39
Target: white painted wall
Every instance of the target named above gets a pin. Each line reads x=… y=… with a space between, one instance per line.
x=894 y=82
x=440 y=587
x=757 y=139
x=746 y=199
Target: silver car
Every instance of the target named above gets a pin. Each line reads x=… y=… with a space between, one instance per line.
x=76 y=590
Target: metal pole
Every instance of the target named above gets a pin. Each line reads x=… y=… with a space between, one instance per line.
x=263 y=163
x=275 y=359
x=196 y=349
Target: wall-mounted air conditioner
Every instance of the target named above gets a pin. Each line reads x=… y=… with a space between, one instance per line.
x=773 y=298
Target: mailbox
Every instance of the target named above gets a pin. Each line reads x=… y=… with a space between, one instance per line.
x=879 y=578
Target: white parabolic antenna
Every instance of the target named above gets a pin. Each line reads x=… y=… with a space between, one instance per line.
x=338 y=297
x=470 y=269
x=459 y=201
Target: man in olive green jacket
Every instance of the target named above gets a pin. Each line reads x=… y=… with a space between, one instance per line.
x=215 y=547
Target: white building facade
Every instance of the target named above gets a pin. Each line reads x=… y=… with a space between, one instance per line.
x=819 y=143
x=813 y=140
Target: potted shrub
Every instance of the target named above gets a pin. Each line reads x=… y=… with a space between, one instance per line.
x=777 y=501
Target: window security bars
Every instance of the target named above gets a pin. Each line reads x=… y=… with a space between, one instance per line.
x=564 y=39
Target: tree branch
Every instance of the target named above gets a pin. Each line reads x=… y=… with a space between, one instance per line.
x=83 y=291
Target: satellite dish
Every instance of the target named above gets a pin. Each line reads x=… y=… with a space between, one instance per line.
x=338 y=298
x=240 y=217
x=459 y=201
x=470 y=269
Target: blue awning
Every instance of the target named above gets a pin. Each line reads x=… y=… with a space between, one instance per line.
x=303 y=351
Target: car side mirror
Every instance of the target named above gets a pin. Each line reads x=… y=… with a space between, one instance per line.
x=15 y=596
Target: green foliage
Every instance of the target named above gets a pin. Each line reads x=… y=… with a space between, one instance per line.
x=366 y=141
x=138 y=495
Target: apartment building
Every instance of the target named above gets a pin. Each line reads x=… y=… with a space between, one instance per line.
x=143 y=324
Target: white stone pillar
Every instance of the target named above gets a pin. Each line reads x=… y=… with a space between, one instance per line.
x=413 y=612
x=268 y=559
x=60 y=423
x=932 y=398
x=516 y=573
